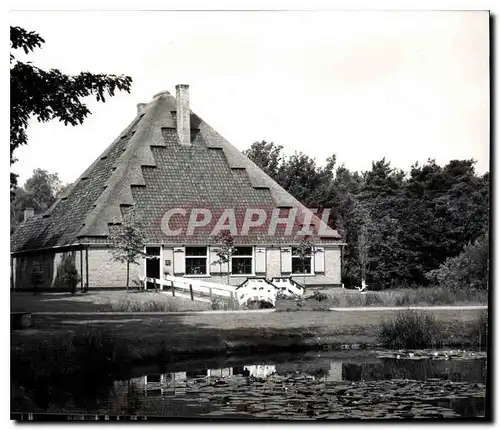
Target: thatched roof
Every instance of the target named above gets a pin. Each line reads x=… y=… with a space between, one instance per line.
x=147 y=169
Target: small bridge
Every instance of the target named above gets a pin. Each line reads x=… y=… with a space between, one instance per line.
x=288 y=287
x=251 y=290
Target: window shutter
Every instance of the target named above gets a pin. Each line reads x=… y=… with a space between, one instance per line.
x=214 y=268
x=179 y=261
x=286 y=261
x=260 y=261
x=319 y=259
x=168 y=261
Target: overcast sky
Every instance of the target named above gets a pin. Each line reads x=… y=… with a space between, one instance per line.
x=407 y=86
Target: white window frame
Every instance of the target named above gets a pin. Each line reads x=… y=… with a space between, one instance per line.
x=311 y=257
x=246 y=256
x=207 y=259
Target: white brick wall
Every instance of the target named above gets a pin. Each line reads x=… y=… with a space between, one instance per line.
x=105 y=273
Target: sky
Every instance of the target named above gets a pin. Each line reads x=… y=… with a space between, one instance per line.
x=407 y=86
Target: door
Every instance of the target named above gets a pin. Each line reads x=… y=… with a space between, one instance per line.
x=152 y=264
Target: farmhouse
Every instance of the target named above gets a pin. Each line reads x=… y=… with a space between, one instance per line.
x=186 y=183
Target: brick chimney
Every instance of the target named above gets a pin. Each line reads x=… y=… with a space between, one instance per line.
x=28 y=213
x=183 y=114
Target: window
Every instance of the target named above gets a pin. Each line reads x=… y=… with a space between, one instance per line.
x=301 y=263
x=241 y=261
x=196 y=260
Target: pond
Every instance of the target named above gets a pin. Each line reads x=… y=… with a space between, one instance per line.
x=330 y=385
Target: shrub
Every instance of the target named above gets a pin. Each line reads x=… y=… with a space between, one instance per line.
x=129 y=305
x=67 y=276
x=281 y=295
x=468 y=270
x=410 y=330
x=222 y=304
x=319 y=296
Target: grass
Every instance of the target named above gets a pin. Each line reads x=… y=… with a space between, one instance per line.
x=417 y=330
x=411 y=330
x=479 y=330
x=431 y=296
x=196 y=333
x=76 y=366
x=128 y=304
x=104 y=301
x=223 y=304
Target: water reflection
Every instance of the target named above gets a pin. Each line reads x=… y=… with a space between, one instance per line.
x=330 y=386
x=158 y=392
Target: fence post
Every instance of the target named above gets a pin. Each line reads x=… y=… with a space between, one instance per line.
x=11 y=274
x=173 y=290
x=154 y=285
x=231 y=301
x=82 y=288
x=87 y=268
x=191 y=292
x=210 y=290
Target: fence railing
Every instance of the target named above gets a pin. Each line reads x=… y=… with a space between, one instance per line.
x=250 y=290
x=195 y=286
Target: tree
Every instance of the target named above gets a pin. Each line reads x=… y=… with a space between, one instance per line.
x=48 y=95
x=468 y=270
x=128 y=241
x=44 y=187
x=39 y=192
x=307 y=182
x=67 y=276
x=225 y=251
x=397 y=226
x=304 y=250
x=444 y=209
x=347 y=185
x=267 y=156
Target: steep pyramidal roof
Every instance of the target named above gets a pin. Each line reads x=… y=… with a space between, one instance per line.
x=148 y=169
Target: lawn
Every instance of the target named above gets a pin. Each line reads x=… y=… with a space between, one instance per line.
x=103 y=301
x=431 y=296
x=142 y=336
x=121 y=301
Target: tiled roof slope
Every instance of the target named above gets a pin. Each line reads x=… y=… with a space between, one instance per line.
x=147 y=168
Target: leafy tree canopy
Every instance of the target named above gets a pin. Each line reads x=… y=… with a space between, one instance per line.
x=38 y=192
x=397 y=225
x=267 y=156
x=50 y=94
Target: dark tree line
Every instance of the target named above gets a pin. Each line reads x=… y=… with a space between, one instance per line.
x=398 y=226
